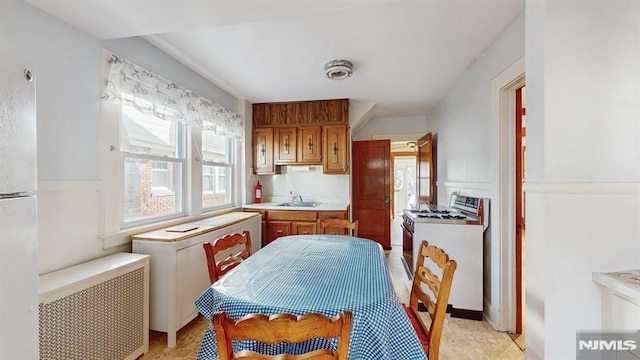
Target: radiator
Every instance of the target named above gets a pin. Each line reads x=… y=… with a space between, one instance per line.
x=98 y=310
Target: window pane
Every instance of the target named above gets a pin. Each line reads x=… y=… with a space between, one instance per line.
x=215 y=148
x=147 y=134
x=151 y=188
x=215 y=186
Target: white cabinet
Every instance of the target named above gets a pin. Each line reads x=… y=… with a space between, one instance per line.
x=179 y=272
x=620 y=299
x=464 y=244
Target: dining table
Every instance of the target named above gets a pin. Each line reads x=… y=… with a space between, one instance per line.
x=327 y=274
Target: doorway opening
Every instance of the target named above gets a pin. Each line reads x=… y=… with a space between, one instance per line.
x=520 y=175
x=404 y=182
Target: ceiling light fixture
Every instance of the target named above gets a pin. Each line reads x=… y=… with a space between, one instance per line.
x=338 y=69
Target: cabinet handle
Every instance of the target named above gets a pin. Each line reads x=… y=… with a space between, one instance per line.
x=286 y=145
x=310 y=144
x=335 y=148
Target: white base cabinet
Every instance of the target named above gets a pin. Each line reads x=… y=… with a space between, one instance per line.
x=179 y=273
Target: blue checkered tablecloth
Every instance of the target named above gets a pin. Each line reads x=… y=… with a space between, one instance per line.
x=316 y=273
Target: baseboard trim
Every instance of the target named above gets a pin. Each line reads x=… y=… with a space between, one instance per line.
x=464 y=313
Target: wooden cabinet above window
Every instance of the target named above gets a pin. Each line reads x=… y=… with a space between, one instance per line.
x=263 y=162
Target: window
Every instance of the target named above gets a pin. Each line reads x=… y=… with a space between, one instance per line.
x=153 y=156
x=171 y=153
x=217 y=163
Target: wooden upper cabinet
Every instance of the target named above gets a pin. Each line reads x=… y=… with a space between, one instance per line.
x=259 y=114
x=330 y=111
x=263 y=151
x=298 y=113
x=335 y=149
x=310 y=145
x=286 y=145
x=318 y=112
x=276 y=114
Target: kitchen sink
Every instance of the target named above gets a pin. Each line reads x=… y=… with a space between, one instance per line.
x=301 y=204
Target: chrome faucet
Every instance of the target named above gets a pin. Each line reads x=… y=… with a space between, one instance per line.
x=298 y=197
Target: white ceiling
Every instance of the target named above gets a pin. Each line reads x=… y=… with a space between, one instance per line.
x=406 y=53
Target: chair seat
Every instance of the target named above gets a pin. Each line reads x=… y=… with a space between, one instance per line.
x=415 y=322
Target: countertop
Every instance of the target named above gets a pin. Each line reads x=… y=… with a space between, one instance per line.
x=321 y=207
x=197 y=227
x=626 y=283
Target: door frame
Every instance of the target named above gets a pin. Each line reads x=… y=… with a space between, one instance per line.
x=502 y=308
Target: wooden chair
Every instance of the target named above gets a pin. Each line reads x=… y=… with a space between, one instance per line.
x=282 y=328
x=337 y=226
x=435 y=302
x=233 y=258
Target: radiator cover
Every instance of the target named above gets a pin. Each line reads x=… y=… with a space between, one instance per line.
x=96 y=310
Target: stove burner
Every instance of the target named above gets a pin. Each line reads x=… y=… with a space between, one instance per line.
x=441 y=211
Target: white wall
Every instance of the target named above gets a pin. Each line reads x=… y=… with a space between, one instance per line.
x=462 y=125
x=583 y=186
x=68 y=70
x=309 y=182
x=409 y=128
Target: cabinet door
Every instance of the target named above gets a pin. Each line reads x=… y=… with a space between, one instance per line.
x=277 y=229
x=191 y=278
x=335 y=146
x=309 y=145
x=259 y=114
x=298 y=113
x=303 y=228
x=285 y=145
x=263 y=151
x=276 y=113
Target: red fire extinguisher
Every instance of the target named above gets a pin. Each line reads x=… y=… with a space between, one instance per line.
x=258 y=192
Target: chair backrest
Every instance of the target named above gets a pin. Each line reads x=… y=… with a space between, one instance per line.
x=337 y=227
x=282 y=328
x=437 y=296
x=220 y=265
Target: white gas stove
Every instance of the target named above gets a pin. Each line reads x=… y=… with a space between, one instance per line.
x=459 y=230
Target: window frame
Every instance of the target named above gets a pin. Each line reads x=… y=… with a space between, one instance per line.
x=113 y=229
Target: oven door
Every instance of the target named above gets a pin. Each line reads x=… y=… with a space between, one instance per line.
x=407 y=248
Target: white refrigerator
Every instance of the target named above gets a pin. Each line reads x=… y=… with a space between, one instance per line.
x=18 y=212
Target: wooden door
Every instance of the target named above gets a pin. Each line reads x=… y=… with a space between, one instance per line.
x=426 y=170
x=263 y=151
x=309 y=145
x=285 y=145
x=372 y=190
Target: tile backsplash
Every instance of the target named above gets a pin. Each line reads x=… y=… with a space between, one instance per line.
x=308 y=181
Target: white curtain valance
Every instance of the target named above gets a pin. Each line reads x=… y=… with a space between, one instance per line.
x=133 y=85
